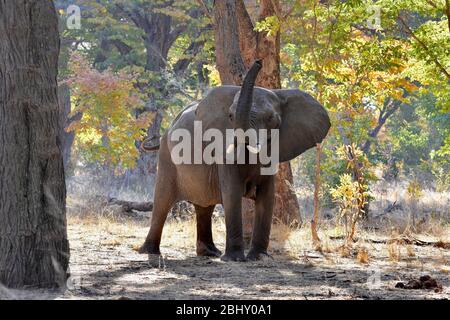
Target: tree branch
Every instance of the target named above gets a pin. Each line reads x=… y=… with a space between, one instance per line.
x=121 y=46
x=134 y=16
x=425 y=47
x=205 y=9
x=192 y=51
x=431 y=3
x=128 y=206
x=389 y=108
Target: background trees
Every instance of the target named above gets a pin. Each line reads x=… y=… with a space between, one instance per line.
x=34 y=250
x=380 y=69
x=367 y=63
x=155 y=42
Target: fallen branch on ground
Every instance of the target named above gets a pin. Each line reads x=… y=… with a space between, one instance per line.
x=129 y=206
x=401 y=240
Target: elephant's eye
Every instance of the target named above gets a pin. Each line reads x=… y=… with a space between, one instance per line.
x=230 y=116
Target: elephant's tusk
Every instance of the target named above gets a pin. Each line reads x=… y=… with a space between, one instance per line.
x=254 y=150
x=230 y=148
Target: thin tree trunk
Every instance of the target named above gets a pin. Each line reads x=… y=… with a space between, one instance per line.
x=34 y=250
x=315 y=219
x=66 y=138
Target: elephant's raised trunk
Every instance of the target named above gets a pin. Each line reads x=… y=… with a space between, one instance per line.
x=245 y=101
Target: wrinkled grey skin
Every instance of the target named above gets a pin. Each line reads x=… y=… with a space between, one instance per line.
x=302 y=122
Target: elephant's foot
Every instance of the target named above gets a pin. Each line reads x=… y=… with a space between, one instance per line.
x=207 y=250
x=234 y=256
x=255 y=255
x=149 y=248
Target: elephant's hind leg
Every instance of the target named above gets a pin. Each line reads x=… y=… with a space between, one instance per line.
x=205 y=244
x=164 y=199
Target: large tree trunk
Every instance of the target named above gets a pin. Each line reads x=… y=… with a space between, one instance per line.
x=237 y=46
x=34 y=250
x=286 y=207
x=229 y=61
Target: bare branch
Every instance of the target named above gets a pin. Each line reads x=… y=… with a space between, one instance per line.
x=431 y=3
x=129 y=206
x=389 y=108
x=205 y=9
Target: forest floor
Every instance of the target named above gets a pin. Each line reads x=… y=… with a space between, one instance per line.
x=105 y=265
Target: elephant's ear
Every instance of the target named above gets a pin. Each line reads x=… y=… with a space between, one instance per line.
x=304 y=123
x=213 y=110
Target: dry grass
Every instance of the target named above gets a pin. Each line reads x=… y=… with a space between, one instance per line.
x=431 y=210
x=345 y=251
x=363 y=255
x=394 y=253
x=410 y=251
x=286 y=240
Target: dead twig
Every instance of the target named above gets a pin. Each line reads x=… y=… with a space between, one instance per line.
x=400 y=240
x=315 y=220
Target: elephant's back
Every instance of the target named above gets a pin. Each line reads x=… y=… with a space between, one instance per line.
x=185 y=119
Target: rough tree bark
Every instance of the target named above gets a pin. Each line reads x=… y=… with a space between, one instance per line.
x=229 y=60
x=34 y=250
x=66 y=138
x=237 y=46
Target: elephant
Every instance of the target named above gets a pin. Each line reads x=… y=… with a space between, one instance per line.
x=301 y=121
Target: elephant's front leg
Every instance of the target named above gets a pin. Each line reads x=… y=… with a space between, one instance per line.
x=263 y=219
x=232 y=192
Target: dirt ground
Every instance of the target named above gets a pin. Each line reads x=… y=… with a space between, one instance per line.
x=105 y=265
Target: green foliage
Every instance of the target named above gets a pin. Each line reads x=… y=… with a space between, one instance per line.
x=414 y=190
x=108 y=128
x=270 y=25
x=116 y=41
x=356 y=70
x=351 y=194
x=349 y=198
x=328 y=48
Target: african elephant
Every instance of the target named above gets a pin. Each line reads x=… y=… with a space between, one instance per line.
x=302 y=123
